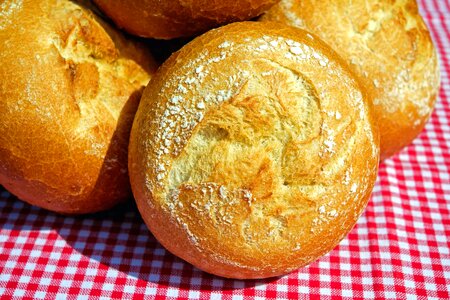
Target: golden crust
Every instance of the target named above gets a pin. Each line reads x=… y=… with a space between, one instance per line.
x=180 y=18
x=253 y=151
x=69 y=88
x=389 y=46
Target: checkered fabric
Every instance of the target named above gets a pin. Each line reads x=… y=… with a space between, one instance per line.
x=399 y=248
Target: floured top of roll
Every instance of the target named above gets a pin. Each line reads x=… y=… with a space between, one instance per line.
x=253 y=151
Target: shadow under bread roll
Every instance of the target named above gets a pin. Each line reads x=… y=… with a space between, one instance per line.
x=69 y=88
x=253 y=151
x=389 y=47
x=179 y=18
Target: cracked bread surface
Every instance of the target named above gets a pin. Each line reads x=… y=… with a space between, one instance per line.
x=253 y=151
x=389 y=46
x=70 y=85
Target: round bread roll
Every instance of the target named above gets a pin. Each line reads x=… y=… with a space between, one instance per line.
x=389 y=46
x=253 y=151
x=179 y=18
x=69 y=88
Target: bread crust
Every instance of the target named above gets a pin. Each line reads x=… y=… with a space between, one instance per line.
x=179 y=18
x=253 y=151
x=70 y=85
x=389 y=47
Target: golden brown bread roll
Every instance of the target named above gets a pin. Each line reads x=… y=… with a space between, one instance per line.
x=388 y=45
x=253 y=151
x=178 y=18
x=69 y=87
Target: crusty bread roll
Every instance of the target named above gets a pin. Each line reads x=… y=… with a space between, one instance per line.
x=178 y=18
x=388 y=45
x=69 y=87
x=253 y=151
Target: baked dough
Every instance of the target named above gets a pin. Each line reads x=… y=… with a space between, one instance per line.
x=69 y=87
x=389 y=46
x=253 y=151
x=178 y=18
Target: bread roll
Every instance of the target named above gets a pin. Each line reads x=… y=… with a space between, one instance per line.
x=389 y=46
x=69 y=88
x=179 y=18
x=253 y=151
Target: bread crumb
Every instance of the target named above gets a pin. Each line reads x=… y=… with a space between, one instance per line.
x=332 y=213
x=273 y=43
x=263 y=47
x=296 y=50
x=181 y=89
x=329 y=145
x=175 y=99
x=248 y=196
x=347 y=177
x=199 y=69
x=201 y=105
x=225 y=44
x=190 y=80
x=222 y=192
x=321 y=209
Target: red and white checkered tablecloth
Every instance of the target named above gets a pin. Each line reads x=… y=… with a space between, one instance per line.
x=400 y=247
